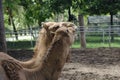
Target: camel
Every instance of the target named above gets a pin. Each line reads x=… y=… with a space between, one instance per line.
x=42 y=45
x=51 y=52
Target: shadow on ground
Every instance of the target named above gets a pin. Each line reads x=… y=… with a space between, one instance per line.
x=85 y=64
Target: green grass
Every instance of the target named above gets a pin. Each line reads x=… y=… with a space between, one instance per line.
x=96 y=45
x=97 y=41
x=20 y=44
x=92 y=42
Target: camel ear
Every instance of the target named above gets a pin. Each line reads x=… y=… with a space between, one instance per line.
x=69 y=24
x=44 y=25
x=72 y=25
x=64 y=24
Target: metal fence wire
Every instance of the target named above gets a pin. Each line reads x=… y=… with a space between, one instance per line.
x=95 y=36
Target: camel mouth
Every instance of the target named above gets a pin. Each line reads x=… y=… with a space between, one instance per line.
x=64 y=31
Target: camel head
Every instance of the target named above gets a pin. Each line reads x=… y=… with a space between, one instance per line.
x=49 y=30
x=51 y=27
x=66 y=34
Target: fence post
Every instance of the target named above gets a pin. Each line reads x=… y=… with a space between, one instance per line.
x=109 y=36
x=13 y=38
x=103 y=36
x=31 y=36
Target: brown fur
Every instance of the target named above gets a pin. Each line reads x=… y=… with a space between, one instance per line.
x=11 y=69
x=51 y=52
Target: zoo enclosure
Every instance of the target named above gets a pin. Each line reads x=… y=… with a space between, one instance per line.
x=96 y=36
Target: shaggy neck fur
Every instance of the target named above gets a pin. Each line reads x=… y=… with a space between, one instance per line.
x=41 y=47
x=52 y=63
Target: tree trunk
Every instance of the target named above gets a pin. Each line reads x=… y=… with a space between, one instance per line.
x=82 y=33
x=3 y=47
x=39 y=23
x=14 y=29
x=69 y=14
x=111 y=25
x=12 y=22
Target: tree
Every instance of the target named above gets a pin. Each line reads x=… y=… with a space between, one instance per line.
x=82 y=33
x=59 y=6
x=80 y=6
x=36 y=11
x=3 y=47
x=11 y=8
x=104 y=7
x=77 y=5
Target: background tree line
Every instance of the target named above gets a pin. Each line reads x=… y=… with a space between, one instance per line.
x=32 y=12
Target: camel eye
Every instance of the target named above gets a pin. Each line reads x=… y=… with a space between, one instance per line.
x=73 y=31
x=56 y=27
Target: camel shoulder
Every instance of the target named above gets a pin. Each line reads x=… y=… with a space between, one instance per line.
x=11 y=69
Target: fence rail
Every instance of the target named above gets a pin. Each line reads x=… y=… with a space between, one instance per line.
x=94 y=37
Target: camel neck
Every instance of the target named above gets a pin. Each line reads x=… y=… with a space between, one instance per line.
x=55 y=60
x=52 y=64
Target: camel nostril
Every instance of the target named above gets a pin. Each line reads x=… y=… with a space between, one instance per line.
x=67 y=31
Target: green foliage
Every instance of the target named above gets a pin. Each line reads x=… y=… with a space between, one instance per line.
x=12 y=4
x=58 y=6
x=12 y=10
x=35 y=10
x=26 y=12
x=80 y=6
x=103 y=6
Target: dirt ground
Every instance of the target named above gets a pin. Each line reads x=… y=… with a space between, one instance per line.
x=85 y=64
